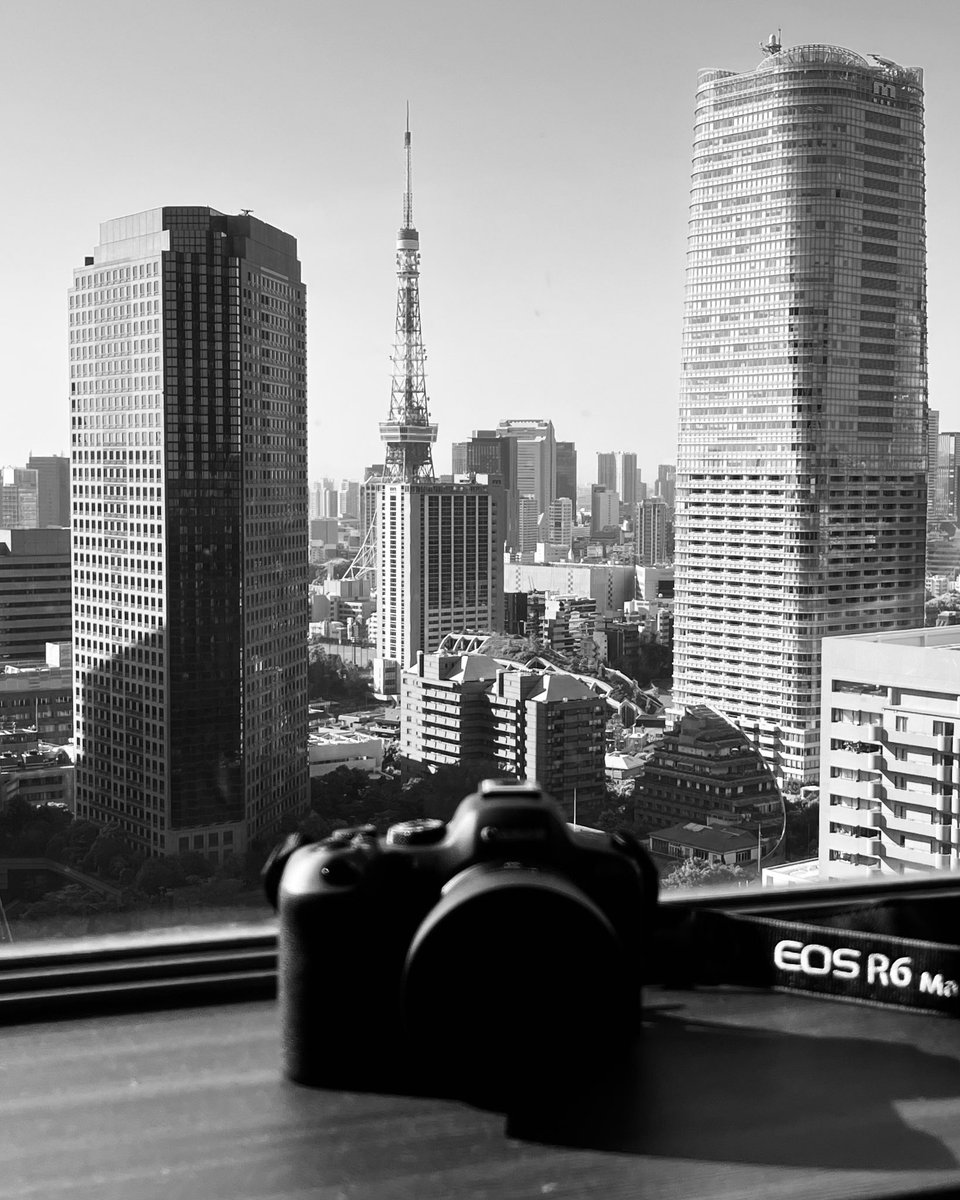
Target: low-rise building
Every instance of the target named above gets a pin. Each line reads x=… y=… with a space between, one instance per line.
x=714 y=844
x=329 y=748
x=38 y=698
x=42 y=776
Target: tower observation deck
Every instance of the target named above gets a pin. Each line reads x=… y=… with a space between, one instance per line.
x=408 y=433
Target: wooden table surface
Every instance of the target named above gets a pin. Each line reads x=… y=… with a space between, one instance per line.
x=734 y=1094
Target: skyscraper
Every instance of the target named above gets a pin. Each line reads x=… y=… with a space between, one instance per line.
x=439 y=557
x=567 y=472
x=650 y=531
x=800 y=480
x=607 y=470
x=628 y=478
x=189 y=530
x=536 y=457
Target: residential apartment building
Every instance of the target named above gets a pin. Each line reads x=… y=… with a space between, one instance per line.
x=801 y=477
x=650 y=531
x=189 y=492
x=542 y=725
x=890 y=764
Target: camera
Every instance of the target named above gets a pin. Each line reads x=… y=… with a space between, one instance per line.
x=503 y=943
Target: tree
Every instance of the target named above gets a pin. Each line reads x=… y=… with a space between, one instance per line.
x=158 y=875
x=802 y=839
x=697 y=872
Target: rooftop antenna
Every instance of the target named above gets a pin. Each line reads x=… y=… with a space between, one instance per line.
x=245 y=212
x=774 y=45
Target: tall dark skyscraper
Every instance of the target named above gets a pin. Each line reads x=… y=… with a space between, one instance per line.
x=801 y=488
x=567 y=472
x=190 y=557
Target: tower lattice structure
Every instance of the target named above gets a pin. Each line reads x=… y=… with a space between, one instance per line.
x=408 y=433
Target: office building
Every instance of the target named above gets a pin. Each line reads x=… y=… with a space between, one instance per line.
x=529 y=524
x=628 y=480
x=611 y=585
x=19 y=498
x=607 y=470
x=933 y=446
x=946 y=489
x=666 y=486
x=34 y=593
x=567 y=472
x=559 y=523
x=487 y=453
x=604 y=510
x=189 y=486
x=53 y=489
x=535 y=451
x=650 y=531
x=38 y=698
x=439 y=546
x=890 y=763
x=801 y=488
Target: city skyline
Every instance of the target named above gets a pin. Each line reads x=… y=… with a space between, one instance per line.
x=508 y=153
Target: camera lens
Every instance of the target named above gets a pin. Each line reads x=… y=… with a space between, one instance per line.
x=512 y=969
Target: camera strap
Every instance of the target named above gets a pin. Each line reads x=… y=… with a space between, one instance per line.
x=816 y=960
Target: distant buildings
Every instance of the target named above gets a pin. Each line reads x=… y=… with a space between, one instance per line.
x=567 y=472
x=650 y=531
x=537 y=724
x=38 y=698
x=801 y=481
x=604 y=510
x=611 y=585
x=35 y=581
x=19 y=498
x=946 y=478
x=535 y=448
x=890 y=758
x=188 y=463
x=607 y=470
x=53 y=489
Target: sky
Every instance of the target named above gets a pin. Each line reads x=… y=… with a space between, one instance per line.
x=552 y=145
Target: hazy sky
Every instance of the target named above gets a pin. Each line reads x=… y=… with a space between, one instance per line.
x=552 y=144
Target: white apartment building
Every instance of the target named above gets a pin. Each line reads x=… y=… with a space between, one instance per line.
x=890 y=758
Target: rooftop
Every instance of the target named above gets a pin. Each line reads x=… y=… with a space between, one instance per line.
x=714 y=838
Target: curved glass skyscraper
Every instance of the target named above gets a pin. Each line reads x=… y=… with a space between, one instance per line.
x=801 y=487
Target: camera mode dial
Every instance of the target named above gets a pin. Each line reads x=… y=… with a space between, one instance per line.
x=423 y=831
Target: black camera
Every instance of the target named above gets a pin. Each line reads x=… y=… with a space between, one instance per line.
x=502 y=943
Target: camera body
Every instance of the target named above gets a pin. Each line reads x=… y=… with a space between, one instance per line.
x=463 y=947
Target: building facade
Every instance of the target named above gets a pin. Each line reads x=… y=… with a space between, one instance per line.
x=35 y=604
x=19 y=498
x=439 y=566
x=890 y=765
x=707 y=771
x=189 y=494
x=650 y=530
x=604 y=509
x=540 y=725
x=801 y=488
x=53 y=489
x=535 y=453
x=567 y=472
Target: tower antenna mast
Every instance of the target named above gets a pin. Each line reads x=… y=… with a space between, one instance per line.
x=408 y=433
